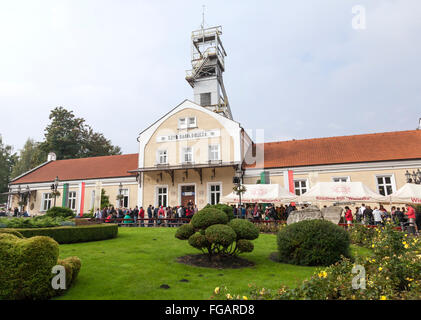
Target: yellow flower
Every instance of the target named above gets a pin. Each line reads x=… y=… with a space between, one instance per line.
x=262 y=292
x=245 y=298
x=372 y=245
x=383 y=298
x=217 y=290
x=380 y=268
x=229 y=297
x=406 y=246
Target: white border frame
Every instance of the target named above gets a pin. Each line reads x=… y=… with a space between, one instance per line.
x=209 y=184
x=156 y=194
x=392 y=181
x=187 y=184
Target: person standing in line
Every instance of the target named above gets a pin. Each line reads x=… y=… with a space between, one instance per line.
x=361 y=213
x=377 y=214
x=150 y=216
x=410 y=212
x=348 y=216
x=141 y=216
x=368 y=216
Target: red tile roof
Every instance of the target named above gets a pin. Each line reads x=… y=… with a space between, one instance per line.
x=399 y=145
x=83 y=169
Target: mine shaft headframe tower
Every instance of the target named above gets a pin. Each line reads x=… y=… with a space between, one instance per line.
x=205 y=77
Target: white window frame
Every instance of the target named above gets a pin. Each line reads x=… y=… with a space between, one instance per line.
x=72 y=199
x=209 y=186
x=191 y=125
x=44 y=199
x=210 y=152
x=126 y=193
x=182 y=123
x=159 y=156
x=157 y=194
x=346 y=178
x=183 y=153
x=307 y=187
x=392 y=182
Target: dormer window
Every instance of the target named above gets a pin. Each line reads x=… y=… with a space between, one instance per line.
x=188 y=122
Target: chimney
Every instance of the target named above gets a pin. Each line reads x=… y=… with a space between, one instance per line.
x=51 y=157
x=419 y=125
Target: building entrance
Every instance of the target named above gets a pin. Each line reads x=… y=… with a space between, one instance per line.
x=187 y=195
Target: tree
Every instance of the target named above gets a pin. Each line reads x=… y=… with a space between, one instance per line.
x=30 y=157
x=7 y=160
x=69 y=137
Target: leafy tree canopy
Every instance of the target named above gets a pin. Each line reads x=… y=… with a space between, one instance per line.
x=7 y=160
x=70 y=137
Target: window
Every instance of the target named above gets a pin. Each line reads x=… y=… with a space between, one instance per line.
x=340 y=179
x=71 y=202
x=162 y=196
x=384 y=185
x=46 y=201
x=192 y=122
x=162 y=157
x=187 y=155
x=300 y=187
x=182 y=124
x=214 y=152
x=205 y=99
x=215 y=193
x=125 y=199
x=189 y=122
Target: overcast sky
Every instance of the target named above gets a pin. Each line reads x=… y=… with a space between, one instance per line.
x=295 y=68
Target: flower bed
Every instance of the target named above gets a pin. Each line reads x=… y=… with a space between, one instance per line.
x=393 y=272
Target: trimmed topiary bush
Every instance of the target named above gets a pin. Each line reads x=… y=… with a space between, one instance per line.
x=211 y=232
x=184 y=232
x=313 y=243
x=11 y=231
x=72 y=266
x=73 y=234
x=220 y=234
x=60 y=212
x=26 y=267
x=229 y=211
x=244 y=229
x=207 y=217
x=244 y=245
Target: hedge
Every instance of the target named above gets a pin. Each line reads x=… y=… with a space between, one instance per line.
x=72 y=234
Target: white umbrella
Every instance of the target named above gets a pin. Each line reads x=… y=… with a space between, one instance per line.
x=260 y=193
x=341 y=192
x=409 y=193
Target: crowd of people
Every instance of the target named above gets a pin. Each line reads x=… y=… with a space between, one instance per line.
x=378 y=215
x=152 y=216
x=14 y=213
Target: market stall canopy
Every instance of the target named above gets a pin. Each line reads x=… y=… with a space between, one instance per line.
x=341 y=192
x=261 y=193
x=409 y=193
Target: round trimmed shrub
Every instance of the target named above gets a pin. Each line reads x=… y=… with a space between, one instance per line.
x=198 y=241
x=184 y=232
x=244 y=245
x=207 y=217
x=220 y=234
x=60 y=212
x=244 y=229
x=229 y=211
x=14 y=232
x=26 y=266
x=313 y=243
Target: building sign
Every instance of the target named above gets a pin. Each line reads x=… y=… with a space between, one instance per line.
x=201 y=134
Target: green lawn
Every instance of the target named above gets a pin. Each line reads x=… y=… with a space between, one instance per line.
x=139 y=260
